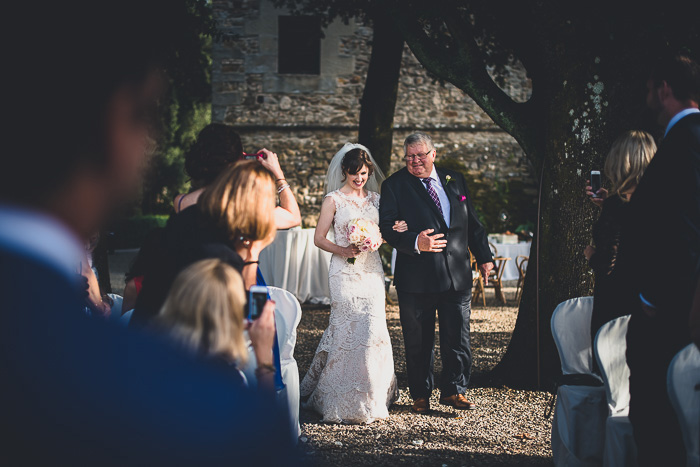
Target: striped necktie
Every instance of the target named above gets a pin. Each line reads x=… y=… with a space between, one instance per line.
x=432 y=192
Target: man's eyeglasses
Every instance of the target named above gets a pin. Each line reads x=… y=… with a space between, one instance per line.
x=421 y=157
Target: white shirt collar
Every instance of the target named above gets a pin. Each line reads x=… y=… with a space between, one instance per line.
x=433 y=175
x=41 y=237
x=678 y=116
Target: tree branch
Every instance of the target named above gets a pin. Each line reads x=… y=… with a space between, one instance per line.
x=467 y=70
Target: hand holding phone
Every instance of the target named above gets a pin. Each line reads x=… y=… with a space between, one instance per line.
x=257 y=297
x=262 y=334
x=259 y=155
x=596 y=183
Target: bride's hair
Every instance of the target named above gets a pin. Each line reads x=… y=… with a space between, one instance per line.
x=335 y=178
x=354 y=160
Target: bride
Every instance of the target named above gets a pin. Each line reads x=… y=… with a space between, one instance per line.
x=351 y=379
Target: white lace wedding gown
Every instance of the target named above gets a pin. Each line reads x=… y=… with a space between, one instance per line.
x=351 y=379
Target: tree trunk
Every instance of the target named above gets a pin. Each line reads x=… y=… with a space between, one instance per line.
x=589 y=79
x=381 y=88
x=591 y=105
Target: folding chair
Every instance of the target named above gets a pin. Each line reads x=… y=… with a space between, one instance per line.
x=683 y=384
x=578 y=428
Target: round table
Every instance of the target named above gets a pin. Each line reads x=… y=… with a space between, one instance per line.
x=512 y=251
x=292 y=262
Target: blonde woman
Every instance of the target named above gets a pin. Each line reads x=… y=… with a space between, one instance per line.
x=204 y=314
x=628 y=158
x=232 y=221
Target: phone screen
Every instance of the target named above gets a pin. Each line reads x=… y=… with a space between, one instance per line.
x=257 y=297
x=595 y=182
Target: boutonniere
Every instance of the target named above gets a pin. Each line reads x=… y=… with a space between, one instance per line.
x=448 y=179
x=462 y=198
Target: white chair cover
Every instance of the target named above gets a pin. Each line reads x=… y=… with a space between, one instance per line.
x=571 y=328
x=684 y=391
x=578 y=428
x=610 y=351
x=287 y=317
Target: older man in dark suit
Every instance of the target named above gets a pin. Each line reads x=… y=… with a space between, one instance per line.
x=663 y=227
x=433 y=269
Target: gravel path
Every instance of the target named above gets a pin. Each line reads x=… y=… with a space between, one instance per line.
x=506 y=429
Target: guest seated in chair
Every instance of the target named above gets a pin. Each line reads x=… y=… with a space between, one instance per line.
x=628 y=158
x=204 y=313
x=217 y=147
x=147 y=258
x=232 y=221
x=96 y=304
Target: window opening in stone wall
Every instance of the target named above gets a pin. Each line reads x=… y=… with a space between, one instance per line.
x=299 y=45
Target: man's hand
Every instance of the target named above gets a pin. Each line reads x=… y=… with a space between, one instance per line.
x=431 y=243
x=589 y=252
x=485 y=269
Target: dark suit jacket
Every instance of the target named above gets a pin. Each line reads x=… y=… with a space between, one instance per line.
x=79 y=391
x=404 y=197
x=660 y=245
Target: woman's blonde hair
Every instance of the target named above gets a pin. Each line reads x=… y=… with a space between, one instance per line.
x=242 y=200
x=628 y=158
x=204 y=310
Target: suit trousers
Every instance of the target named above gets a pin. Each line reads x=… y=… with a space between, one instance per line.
x=657 y=433
x=417 y=311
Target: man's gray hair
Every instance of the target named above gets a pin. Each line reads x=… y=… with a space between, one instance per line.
x=418 y=137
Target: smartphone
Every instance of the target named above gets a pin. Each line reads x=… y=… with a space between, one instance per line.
x=596 y=183
x=260 y=155
x=257 y=297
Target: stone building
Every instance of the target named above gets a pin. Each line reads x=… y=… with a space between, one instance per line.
x=300 y=96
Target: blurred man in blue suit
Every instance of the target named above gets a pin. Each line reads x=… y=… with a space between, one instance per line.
x=84 y=82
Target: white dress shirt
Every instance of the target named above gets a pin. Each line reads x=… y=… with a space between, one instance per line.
x=442 y=196
x=40 y=236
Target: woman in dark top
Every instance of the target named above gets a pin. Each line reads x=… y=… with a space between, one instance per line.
x=217 y=147
x=624 y=167
x=232 y=221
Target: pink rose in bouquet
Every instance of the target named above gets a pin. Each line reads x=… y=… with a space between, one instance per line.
x=365 y=235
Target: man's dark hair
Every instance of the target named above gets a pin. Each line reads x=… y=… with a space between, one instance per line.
x=682 y=74
x=64 y=67
x=217 y=147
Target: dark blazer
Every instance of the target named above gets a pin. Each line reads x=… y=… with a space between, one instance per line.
x=404 y=197
x=660 y=245
x=609 y=291
x=81 y=391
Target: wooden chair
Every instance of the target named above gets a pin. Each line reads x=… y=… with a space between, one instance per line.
x=521 y=263
x=495 y=275
x=477 y=281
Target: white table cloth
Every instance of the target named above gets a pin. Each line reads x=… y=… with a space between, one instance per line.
x=512 y=251
x=292 y=262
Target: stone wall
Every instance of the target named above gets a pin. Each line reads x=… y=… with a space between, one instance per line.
x=306 y=119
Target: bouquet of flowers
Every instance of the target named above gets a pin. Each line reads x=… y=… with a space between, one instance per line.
x=365 y=235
